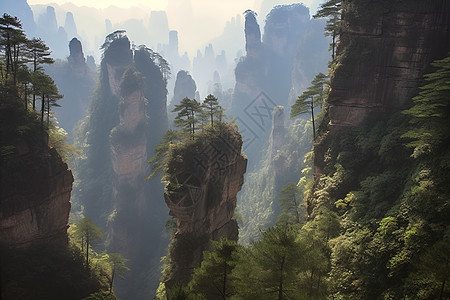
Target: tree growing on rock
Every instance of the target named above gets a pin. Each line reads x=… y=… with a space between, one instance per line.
x=187 y=117
x=313 y=97
x=213 y=279
x=213 y=109
x=331 y=10
x=87 y=232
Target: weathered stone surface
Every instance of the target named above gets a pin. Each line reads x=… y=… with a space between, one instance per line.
x=35 y=199
x=77 y=62
x=384 y=50
x=204 y=179
x=138 y=213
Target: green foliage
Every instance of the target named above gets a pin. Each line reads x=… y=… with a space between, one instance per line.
x=118 y=267
x=189 y=112
x=159 y=160
x=188 y=115
x=430 y=113
x=393 y=209
x=289 y=202
x=213 y=279
x=268 y=268
x=331 y=10
x=57 y=139
x=314 y=96
x=86 y=232
x=258 y=198
x=212 y=108
x=131 y=81
x=45 y=272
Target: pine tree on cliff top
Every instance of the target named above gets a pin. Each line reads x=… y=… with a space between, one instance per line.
x=187 y=116
x=211 y=105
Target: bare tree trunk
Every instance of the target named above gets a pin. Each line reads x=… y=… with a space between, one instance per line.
x=224 y=288
x=312 y=118
x=42 y=110
x=112 y=280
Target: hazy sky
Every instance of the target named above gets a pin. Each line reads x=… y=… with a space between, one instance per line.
x=197 y=21
x=162 y=4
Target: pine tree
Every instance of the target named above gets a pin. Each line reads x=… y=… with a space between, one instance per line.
x=268 y=270
x=39 y=54
x=213 y=279
x=158 y=160
x=313 y=97
x=290 y=203
x=11 y=36
x=187 y=116
x=331 y=10
x=88 y=233
x=118 y=267
x=213 y=109
x=430 y=114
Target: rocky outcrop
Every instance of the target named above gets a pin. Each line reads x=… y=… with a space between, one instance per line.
x=128 y=157
x=252 y=35
x=185 y=87
x=76 y=81
x=35 y=197
x=76 y=58
x=127 y=119
x=383 y=52
x=204 y=178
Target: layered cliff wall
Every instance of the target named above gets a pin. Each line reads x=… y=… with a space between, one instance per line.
x=203 y=179
x=384 y=50
x=35 y=196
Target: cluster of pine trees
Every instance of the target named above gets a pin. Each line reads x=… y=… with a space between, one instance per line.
x=191 y=117
x=22 y=68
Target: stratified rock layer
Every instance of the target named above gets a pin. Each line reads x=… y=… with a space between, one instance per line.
x=204 y=179
x=385 y=49
x=35 y=198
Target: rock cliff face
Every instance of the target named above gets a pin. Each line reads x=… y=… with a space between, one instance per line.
x=127 y=119
x=384 y=50
x=128 y=157
x=252 y=35
x=76 y=59
x=35 y=200
x=184 y=87
x=203 y=180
